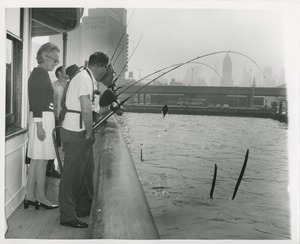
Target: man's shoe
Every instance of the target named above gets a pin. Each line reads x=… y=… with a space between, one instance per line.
x=53 y=173
x=75 y=223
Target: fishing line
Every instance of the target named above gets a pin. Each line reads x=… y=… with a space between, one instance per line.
x=122 y=36
x=101 y=120
x=194 y=62
x=113 y=83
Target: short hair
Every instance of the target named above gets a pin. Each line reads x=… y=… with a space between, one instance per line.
x=59 y=69
x=98 y=58
x=46 y=48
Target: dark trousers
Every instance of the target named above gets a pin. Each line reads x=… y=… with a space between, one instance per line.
x=76 y=183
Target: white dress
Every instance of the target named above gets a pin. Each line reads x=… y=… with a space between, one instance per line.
x=41 y=149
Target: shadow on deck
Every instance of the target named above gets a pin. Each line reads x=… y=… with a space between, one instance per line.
x=42 y=224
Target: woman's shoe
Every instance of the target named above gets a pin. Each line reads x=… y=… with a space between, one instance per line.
x=39 y=204
x=27 y=203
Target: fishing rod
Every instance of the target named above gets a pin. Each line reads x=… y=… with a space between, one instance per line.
x=126 y=44
x=120 y=53
x=122 y=36
x=212 y=69
x=135 y=82
x=194 y=62
x=115 y=107
x=112 y=85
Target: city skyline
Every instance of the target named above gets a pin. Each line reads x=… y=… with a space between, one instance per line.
x=233 y=27
x=177 y=35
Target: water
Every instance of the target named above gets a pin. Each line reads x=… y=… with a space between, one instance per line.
x=179 y=153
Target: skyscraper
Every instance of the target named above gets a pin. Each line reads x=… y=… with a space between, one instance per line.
x=101 y=31
x=227 y=71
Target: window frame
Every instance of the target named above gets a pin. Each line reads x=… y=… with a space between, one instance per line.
x=13 y=119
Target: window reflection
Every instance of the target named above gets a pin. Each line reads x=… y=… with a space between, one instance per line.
x=9 y=78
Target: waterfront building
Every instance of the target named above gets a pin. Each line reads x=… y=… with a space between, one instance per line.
x=227 y=71
x=101 y=30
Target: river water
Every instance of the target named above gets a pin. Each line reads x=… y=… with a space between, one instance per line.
x=179 y=153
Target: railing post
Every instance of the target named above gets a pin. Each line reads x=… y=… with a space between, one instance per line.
x=65 y=48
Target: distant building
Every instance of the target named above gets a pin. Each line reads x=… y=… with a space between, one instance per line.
x=201 y=82
x=269 y=81
x=101 y=31
x=193 y=76
x=175 y=83
x=215 y=80
x=161 y=81
x=227 y=71
x=259 y=78
x=281 y=78
x=246 y=78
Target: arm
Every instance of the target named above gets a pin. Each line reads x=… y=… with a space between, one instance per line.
x=41 y=134
x=86 y=110
x=56 y=103
x=36 y=92
x=109 y=76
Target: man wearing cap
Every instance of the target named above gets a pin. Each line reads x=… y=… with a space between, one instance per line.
x=58 y=87
x=76 y=184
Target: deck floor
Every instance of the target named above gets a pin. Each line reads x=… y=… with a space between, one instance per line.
x=42 y=224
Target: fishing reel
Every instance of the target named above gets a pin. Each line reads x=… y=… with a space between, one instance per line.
x=117 y=108
x=114 y=106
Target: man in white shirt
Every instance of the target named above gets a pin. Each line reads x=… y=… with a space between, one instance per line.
x=76 y=184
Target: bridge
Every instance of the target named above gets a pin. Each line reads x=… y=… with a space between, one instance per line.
x=210 y=90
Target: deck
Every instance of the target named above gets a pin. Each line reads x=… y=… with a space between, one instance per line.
x=119 y=211
x=42 y=224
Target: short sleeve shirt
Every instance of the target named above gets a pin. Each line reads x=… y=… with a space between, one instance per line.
x=58 y=93
x=80 y=85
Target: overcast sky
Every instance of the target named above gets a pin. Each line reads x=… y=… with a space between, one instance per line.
x=174 y=33
x=171 y=36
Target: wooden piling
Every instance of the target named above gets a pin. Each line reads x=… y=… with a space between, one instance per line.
x=241 y=175
x=213 y=182
x=142 y=160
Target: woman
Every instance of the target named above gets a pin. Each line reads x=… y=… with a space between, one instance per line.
x=41 y=124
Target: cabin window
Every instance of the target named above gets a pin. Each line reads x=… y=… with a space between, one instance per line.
x=9 y=108
x=13 y=83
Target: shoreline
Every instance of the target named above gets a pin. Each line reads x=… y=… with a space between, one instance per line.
x=195 y=110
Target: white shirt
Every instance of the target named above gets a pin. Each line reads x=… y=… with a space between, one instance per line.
x=81 y=85
x=58 y=93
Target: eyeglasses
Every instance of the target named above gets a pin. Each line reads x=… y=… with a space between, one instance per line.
x=56 y=61
x=103 y=66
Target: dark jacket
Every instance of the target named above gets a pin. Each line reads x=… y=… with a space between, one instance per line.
x=40 y=92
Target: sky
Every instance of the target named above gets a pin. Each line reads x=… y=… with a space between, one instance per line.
x=171 y=36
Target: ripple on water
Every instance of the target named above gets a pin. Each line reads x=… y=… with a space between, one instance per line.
x=180 y=152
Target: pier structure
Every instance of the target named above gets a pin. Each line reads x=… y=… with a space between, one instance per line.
x=235 y=96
